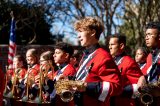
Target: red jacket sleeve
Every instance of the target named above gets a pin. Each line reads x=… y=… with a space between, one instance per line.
x=109 y=73
x=130 y=73
x=108 y=83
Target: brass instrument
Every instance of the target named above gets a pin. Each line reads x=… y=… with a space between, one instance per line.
x=64 y=88
x=11 y=94
x=43 y=73
x=26 y=97
x=45 y=68
x=148 y=92
x=39 y=98
x=146 y=99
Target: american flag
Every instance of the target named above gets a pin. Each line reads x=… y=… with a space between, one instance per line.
x=12 y=44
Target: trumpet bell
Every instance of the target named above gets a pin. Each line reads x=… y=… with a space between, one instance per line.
x=67 y=96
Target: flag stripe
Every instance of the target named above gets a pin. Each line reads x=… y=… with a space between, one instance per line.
x=12 y=44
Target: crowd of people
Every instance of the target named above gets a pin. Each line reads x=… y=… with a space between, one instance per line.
x=109 y=78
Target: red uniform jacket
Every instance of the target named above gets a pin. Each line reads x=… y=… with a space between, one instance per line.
x=50 y=74
x=103 y=79
x=33 y=72
x=11 y=75
x=2 y=86
x=67 y=70
x=152 y=67
x=130 y=73
x=21 y=73
x=148 y=64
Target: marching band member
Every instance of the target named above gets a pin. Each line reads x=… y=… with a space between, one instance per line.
x=14 y=88
x=129 y=69
x=152 y=69
x=103 y=79
x=20 y=67
x=46 y=59
x=33 y=70
x=47 y=63
x=62 y=55
x=152 y=39
x=18 y=72
x=141 y=57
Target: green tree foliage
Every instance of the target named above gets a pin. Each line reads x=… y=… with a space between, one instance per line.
x=31 y=24
x=137 y=13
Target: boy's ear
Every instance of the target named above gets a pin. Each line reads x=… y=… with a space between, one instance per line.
x=67 y=55
x=93 y=32
x=121 y=46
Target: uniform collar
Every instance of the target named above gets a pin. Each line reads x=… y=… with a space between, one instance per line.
x=118 y=57
x=31 y=65
x=155 y=51
x=91 y=49
x=62 y=65
x=141 y=64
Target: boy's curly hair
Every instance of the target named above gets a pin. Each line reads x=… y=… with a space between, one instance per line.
x=90 y=23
